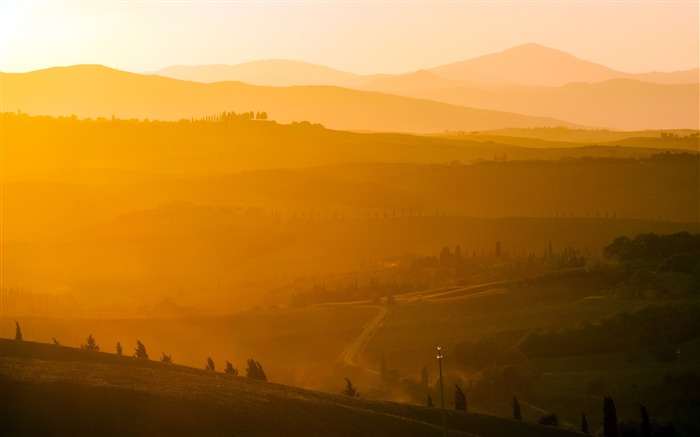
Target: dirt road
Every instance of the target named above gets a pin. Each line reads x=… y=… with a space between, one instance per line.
x=351 y=354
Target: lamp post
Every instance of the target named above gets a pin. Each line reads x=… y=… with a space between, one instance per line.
x=442 y=394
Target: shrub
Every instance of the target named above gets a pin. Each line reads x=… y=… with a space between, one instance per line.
x=550 y=419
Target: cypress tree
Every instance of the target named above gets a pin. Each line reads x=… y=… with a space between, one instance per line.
x=584 y=424
x=90 y=345
x=210 y=365
x=18 y=331
x=516 y=409
x=140 y=351
x=350 y=389
x=230 y=369
x=460 y=399
x=609 y=417
x=646 y=426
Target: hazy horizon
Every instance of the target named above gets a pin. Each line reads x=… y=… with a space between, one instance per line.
x=45 y=34
x=528 y=203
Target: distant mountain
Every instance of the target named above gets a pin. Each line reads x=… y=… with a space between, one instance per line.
x=275 y=72
x=97 y=91
x=674 y=77
x=528 y=64
x=617 y=103
x=420 y=80
x=533 y=64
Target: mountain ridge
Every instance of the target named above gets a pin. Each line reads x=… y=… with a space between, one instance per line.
x=98 y=91
x=478 y=70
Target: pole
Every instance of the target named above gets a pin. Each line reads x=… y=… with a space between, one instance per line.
x=442 y=394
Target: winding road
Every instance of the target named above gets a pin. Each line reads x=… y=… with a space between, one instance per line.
x=351 y=354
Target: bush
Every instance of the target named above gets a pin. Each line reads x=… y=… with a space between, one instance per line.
x=550 y=419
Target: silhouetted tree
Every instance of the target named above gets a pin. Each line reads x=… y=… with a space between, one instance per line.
x=350 y=390
x=167 y=359
x=230 y=369
x=18 y=331
x=55 y=342
x=430 y=401
x=550 y=419
x=255 y=370
x=584 y=424
x=645 y=431
x=210 y=365
x=460 y=399
x=140 y=351
x=90 y=345
x=516 y=409
x=120 y=351
x=609 y=417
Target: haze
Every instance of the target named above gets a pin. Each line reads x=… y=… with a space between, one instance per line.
x=361 y=37
x=257 y=218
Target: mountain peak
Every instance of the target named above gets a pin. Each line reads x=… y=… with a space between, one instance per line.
x=528 y=64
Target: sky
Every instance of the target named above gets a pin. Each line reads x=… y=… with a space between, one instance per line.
x=362 y=37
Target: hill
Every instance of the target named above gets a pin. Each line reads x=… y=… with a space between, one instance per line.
x=624 y=104
x=233 y=211
x=53 y=390
x=274 y=72
x=96 y=91
x=536 y=65
x=555 y=68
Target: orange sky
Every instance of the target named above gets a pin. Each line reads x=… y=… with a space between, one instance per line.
x=360 y=37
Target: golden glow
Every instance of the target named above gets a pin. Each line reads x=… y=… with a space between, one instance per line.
x=362 y=37
x=340 y=219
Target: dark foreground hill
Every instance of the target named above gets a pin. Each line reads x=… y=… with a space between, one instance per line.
x=54 y=390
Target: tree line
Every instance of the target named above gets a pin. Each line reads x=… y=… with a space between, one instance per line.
x=254 y=369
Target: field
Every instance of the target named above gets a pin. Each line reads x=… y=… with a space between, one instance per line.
x=305 y=347
x=327 y=255
x=55 y=390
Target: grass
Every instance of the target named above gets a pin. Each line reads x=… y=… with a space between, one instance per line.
x=295 y=346
x=52 y=390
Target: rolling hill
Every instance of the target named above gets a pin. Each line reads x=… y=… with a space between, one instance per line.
x=274 y=72
x=536 y=65
x=542 y=66
x=619 y=103
x=96 y=91
x=61 y=391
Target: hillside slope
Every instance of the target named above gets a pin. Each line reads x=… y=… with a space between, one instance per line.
x=97 y=91
x=616 y=103
x=53 y=390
